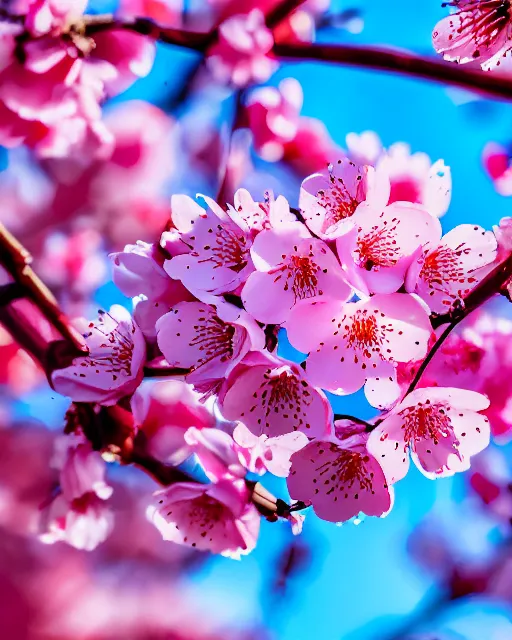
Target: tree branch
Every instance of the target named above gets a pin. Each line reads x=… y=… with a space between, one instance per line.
x=15 y=259
x=381 y=59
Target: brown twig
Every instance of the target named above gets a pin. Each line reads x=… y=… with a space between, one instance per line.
x=16 y=261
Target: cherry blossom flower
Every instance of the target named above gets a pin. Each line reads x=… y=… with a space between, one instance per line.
x=217 y=452
x=83 y=523
x=216 y=517
x=341 y=478
x=208 y=340
x=503 y=233
x=219 y=259
x=268 y=454
x=272 y=397
x=83 y=471
x=358 y=343
x=114 y=367
x=412 y=176
x=379 y=250
x=291 y=266
x=273 y=115
x=164 y=411
x=241 y=55
x=273 y=212
x=50 y=96
x=477 y=31
x=329 y=199
x=442 y=428
x=448 y=271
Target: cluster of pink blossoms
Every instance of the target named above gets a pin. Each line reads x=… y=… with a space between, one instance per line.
x=355 y=277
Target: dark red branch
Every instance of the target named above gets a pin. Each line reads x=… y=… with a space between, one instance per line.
x=381 y=59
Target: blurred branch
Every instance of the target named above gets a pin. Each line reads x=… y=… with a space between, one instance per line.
x=15 y=259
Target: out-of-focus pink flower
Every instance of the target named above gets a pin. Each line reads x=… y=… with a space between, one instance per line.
x=441 y=427
x=412 y=176
x=73 y=264
x=329 y=199
x=83 y=471
x=273 y=114
x=208 y=340
x=447 y=271
x=269 y=454
x=164 y=411
x=477 y=32
x=291 y=266
x=496 y=161
x=272 y=397
x=219 y=259
x=163 y=12
x=18 y=371
x=341 y=478
x=480 y=359
x=312 y=148
x=379 y=250
x=83 y=523
x=357 y=343
x=216 y=517
x=114 y=367
x=241 y=55
x=51 y=99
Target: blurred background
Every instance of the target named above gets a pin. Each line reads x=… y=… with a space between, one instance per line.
x=439 y=566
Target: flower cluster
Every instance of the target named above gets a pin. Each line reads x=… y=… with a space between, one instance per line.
x=356 y=278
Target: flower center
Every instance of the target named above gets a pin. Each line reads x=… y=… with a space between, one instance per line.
x=339 y=201
x=426 y=422
x=230 y=250
x=347 y=469
x=482 y=20
x=363 y=334
x=443 y=267
x=214 y=339
x=114 y=355
x=302 y=271
x=378 y=248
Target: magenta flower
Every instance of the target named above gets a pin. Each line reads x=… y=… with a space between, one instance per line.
x=219 y=247
x=215 y=517
x=241 y=55
x=496 y=161
x=357 y=343
x=273 y=397
x=329 y=199
x=291 y=266
x=208 y=340
x=51 y=99
x=378 y=251
x=114 y=367
x=449 y=270
x=217 y=452
x=268 y=454
x=477 y=31
x=441 y=427
x=273 y=115
x=341 y=478
x=164 y=411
